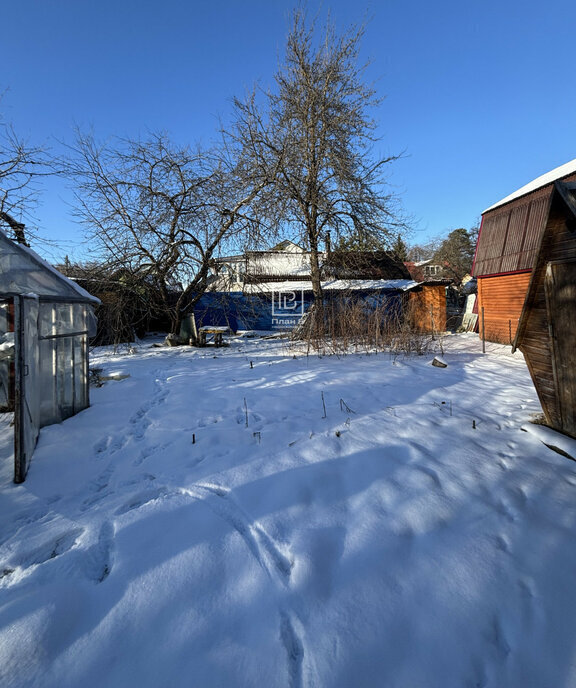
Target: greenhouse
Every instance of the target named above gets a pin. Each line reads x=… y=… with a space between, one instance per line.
x=45 y=323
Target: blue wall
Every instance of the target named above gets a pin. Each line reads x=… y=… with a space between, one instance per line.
x=241 y=311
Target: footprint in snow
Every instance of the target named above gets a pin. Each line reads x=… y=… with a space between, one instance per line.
x=102 y=445
x=499 y=639
x=98 y=559
x=49 y=550
x=506 y=510
x=99 y=488
x=502 y=543
x=264 y=549
x=294 y=650
x=140 y=499
x=432 y=474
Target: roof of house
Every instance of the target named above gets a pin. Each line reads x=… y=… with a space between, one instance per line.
x=511 y=230
x=287 y=245
x=552 y=176
x=375 y=265
x=333 y=285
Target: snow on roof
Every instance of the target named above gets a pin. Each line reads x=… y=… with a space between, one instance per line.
x=25 y=273
x=543 y=180
x=333 y=285
x=422 y=263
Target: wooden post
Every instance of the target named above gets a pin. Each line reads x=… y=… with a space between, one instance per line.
x=483 y=333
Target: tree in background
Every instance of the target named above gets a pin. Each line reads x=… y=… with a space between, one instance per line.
x=365 y=257
x=456 y=254
x=355 y=242
x=399 y=249
x=421 y=252
x=159 y=212
x=20 y=167
x=127 y=307
x=320 y=136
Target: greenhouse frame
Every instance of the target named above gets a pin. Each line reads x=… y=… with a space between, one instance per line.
x=46 y=321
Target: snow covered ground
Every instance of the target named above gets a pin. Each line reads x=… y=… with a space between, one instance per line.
x=250 y=517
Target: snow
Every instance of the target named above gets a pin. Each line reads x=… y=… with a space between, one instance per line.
x=206 y=523
x=543 y=180
x=332 y=285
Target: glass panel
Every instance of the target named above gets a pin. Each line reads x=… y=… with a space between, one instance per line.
x=80 y=375
x=65 y=379
x=47 y=382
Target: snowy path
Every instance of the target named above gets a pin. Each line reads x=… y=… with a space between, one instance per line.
x=252 y=517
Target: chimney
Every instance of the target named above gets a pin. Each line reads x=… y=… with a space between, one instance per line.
x=16 y=227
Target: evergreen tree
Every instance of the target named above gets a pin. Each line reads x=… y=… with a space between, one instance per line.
x=456 y=254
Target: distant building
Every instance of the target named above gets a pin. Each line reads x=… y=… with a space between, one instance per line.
x=424 y=270
x=272 y=289
x=284 y=261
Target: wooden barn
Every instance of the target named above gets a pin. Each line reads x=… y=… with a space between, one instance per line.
x=507 y=251
x=546 y=333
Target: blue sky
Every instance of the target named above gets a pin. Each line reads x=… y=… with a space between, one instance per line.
x=478 y=95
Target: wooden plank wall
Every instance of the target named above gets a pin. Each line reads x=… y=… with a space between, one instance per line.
x=559 y=244
x=502 y=298
x=428 y=308
x=535 y=347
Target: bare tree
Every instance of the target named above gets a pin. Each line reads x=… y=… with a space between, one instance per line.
x=161 y=211
x=127 y=301
x=20 y=166
x=322 y=135
x=424 y=251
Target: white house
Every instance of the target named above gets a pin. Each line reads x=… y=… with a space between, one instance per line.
x=285 y=261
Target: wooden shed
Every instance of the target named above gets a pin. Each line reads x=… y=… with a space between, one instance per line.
x=546 y=332
x=507 y=250
x=427 y=306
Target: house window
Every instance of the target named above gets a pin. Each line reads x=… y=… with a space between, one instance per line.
x=432 y=269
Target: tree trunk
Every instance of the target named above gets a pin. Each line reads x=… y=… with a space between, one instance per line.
x=318 y=325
